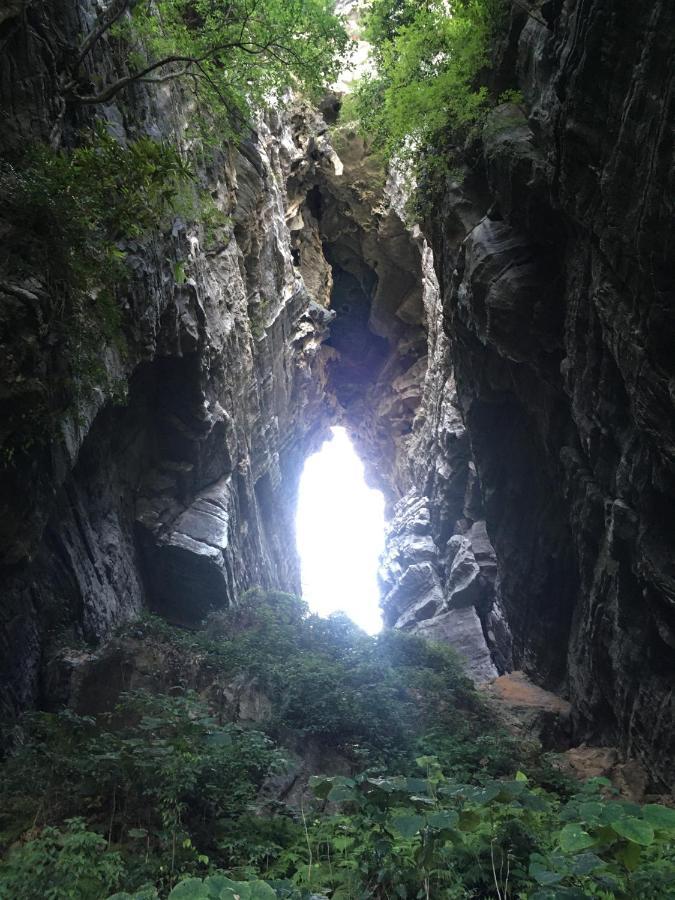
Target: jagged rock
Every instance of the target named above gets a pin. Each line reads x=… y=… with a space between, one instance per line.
x=559 y=309
x=461 y=628
x=416 y=595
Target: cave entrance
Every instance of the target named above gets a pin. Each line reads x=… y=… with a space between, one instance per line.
x=340 y=534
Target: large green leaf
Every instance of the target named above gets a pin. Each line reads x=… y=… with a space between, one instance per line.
x=629 y=854
x=544 y=876
x=190 y=889
x=339 y=793
x=659 y=816
x=636 y=830
x=481 y=796
x=408 y=826
x=573 y=838
x=446 y=818
x=585 y=863
x=469 y=820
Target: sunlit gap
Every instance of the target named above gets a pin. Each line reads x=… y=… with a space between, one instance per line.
x=340 y=534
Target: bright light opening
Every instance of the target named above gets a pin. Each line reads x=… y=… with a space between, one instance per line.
x=340 y=534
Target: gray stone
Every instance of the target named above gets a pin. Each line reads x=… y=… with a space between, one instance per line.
x=461 y=629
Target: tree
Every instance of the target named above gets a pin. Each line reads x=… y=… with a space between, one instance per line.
x=429 y=57
x=231 y=54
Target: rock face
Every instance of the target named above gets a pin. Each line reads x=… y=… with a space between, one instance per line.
x=508 y=379
x=558 y=300
x=185 y=495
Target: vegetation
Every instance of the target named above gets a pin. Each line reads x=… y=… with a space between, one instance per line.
x=230 y=57
x=164 y=796
x=428 y=90
x=68 y=213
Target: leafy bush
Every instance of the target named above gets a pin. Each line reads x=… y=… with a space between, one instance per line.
x=159 y=774
x=70 y=862
x=231 y=58
x=431 y=836
x=437 y=805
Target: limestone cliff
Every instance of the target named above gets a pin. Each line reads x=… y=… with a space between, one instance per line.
x=184 y=495
x=506 y=373
x=556 y=286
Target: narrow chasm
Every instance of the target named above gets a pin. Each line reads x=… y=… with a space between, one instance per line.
x=336 y=450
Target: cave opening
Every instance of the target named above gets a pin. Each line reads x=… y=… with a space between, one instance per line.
x=340 y=534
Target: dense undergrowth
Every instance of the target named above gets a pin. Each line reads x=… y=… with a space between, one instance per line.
x=164 y=794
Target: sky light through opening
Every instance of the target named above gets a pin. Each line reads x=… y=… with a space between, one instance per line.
x=340 y=534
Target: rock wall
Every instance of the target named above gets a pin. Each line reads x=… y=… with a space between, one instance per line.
x=390 y=382
x=557 y=294
x=183 y=496
x=509 y=384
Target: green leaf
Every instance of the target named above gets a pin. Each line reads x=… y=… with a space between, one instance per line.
x=469 y=820
x=521 y=776
x=191 y=889
x=481 y=796
x=417 y=785
x=659 y=816
x=408 y=826
x=321 y=786
x=543 y=875
x=260 y=890
x=613 y=812
x=590 y=811
x=339 y=793
x=573 y=838
x=585 y=863
x=636 y=830
x=446 y=818
x=629 y=854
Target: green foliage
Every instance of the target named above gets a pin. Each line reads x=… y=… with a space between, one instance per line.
x=428 y=88
x=231 y=57
x=369 y=698
x=65 y=214
x=439 y=803
x=214 y=887
x=435 y=837
x=158 y=773
x=70 y=862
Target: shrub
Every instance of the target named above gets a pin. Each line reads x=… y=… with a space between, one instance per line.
x=69 y=862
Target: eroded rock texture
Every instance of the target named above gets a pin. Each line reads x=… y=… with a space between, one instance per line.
x=185 y=495
x=559 y=307
x=511 y=394
x=390 y=382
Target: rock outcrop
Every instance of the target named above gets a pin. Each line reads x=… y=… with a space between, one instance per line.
x=559 y=307
x=184 y=495
x=507 y=376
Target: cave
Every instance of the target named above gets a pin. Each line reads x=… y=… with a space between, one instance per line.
x=487 y=332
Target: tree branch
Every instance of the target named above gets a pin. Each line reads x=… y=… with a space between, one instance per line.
x=117 y=11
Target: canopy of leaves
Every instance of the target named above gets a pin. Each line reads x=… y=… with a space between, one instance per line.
x=232 y=56
x=429 y=57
